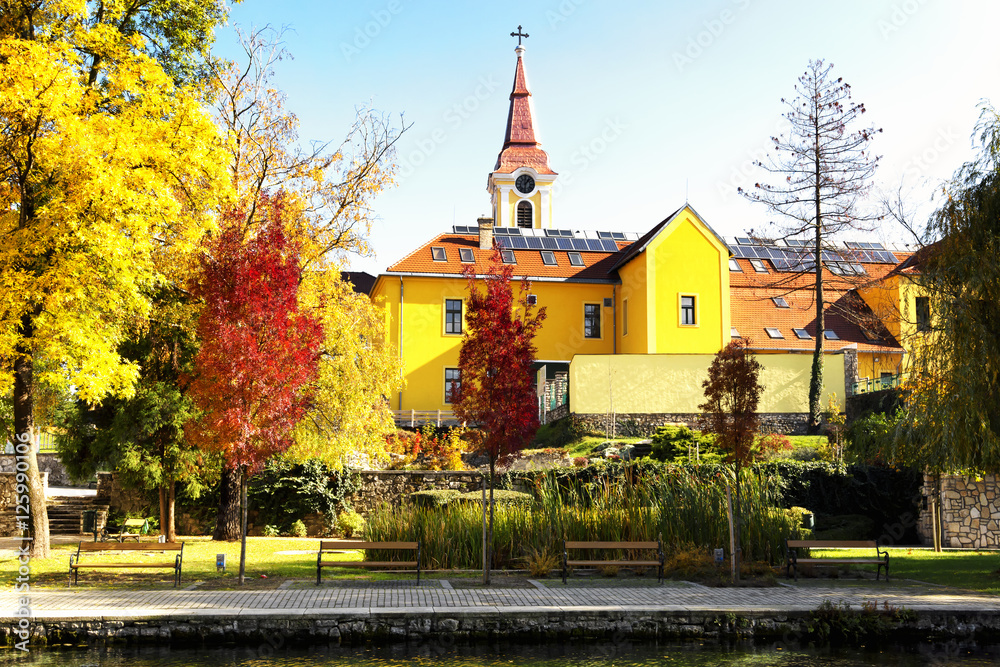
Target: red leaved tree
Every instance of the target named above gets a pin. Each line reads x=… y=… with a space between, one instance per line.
x=495 y=368
x=259 y=355
x=732 y=393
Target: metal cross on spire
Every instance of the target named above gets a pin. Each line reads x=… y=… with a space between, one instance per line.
x=519 y=35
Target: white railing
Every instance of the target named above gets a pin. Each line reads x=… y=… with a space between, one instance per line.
x=414 y=418
x=45 y=441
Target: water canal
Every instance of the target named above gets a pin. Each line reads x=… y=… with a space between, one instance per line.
x=582 y=654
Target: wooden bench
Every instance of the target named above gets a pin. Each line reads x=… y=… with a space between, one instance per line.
x=130 y=528
x=340 y=545
x=881 y=558
x=97 y=548
x=643 y=546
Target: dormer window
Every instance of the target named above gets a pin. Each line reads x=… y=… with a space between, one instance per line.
x=734 y=265
x=524 y=215
x=780 y=302
x=468 y=257
x=575 y=258
x=438 y=254
x=549 y=258
x=758 y=265
x=508 y=257
x=802 y=333
x=774 y=332
x=830 y=335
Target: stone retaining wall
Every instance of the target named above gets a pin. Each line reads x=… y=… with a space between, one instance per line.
x=49 y=463
x=970 y=511
x=273 y=631
x=645 y=425
x=8 y=485
x=380 y=486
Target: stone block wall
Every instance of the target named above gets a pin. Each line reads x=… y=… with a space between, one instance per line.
x=8 y=485
x=970 y=511
x=391 y=486
x=47 y=462
x=644 y=425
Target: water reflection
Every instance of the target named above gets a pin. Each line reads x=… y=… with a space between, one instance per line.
x=578 y=654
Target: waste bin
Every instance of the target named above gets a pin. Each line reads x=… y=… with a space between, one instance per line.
x=90 y=522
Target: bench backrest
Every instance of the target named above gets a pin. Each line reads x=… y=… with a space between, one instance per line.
x=831 y=544
x=612 y=545
x=131 y=546
x=134 y=523
x=357 y=544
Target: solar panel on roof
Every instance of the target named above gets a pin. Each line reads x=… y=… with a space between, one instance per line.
x=619 y=236
x=579 y=244
x=518 y=243
x=565 y=244
x=514 y=231
x=549 y=244
x=604 y=235
x=534 y=243
x=609 y=246
x=595 y=245
x=502 y=231
x=743 y=240
x=854 y=245
x=876 y=246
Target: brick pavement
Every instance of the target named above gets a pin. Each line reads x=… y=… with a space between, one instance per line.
x=432 y=597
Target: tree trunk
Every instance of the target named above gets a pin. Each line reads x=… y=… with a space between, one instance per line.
x=171 y=528
x=163 y=511
x=816 y=376
x=227 y=521
x=243 y=525
x=36 y=539
x=489 y=541
x=737 y=517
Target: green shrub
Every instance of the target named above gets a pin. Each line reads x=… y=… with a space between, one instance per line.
x=678 y=444
x=351 y=524
x=564 y=432
x=271 y=531
x=500 y=497
x=284 y=491
x=298 y=529
x=434 y=498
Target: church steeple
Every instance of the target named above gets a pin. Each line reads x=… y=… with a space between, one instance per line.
x=521 y=182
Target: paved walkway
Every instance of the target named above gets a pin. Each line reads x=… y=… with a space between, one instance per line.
x=435 y=597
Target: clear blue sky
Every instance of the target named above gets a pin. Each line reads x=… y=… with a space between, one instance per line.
x=636 y=103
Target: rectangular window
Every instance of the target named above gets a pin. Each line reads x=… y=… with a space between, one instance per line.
x=575 y=258
x=758 y=265
x=549 y=258
x=688 y=313
x=453 y=316
x=467 y=255
x=508 y=256
x=734 y=265
x=734 y=332
x=438 y=254
x=591 y=320
x=780 y=302
x=452 y=383
x=923 y=306
x=625 y=317
x=802 y=333
x=830 y=335
x=774 y=332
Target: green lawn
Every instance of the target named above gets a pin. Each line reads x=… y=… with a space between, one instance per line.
x=806 y=440
x=263 y=558
x=969 y=570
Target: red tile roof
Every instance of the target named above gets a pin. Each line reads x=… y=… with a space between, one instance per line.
x=597 y=265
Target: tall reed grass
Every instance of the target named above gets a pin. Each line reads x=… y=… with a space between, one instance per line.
x=688 y=509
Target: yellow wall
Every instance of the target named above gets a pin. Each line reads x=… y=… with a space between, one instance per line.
x=684 y=259
x=427 y=350
x=633 y=288
x=672 y=382
x=510 y=212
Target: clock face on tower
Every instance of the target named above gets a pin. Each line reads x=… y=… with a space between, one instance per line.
x=524 y=184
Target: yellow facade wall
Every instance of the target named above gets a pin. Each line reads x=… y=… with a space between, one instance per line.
x=427 y=350
x=672 y=383
x=510 y=208
x=633 y=289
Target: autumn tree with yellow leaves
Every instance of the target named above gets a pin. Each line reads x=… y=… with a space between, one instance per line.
x=327 y=194
x=109 y=175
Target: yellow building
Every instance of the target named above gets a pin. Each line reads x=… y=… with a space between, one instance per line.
x=679 y=291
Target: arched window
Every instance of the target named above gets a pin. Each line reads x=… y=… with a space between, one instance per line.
x=524 y=217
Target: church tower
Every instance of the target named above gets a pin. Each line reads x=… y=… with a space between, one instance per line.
x=520 y=185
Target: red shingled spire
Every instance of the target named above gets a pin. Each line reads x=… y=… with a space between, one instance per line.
x=520 y=148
